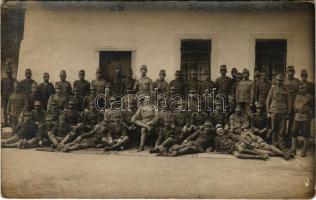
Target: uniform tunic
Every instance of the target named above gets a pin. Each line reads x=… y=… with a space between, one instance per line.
x=262 y=91
x=162 y=86
x=7 y=88
x=178 y=85
x=128 y=84
x=222 y=85
x=66 y=87
x=144 y=85
x=99 y=85
x=46 y=89
x=245 y=92
x=27 y=85
x=83 y=87
x=278 y=100
x=60 y=99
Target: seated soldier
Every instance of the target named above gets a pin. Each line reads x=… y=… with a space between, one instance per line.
x=260 y=122
x=238 y=121
x=198 y=142
x=218 y=116
x=129 y=102
x=190 y=126
x=90 y=139
x=41 y=137
x=38 y=115
x=54 y=112
x=245 y=146
x=116 y=136
x=146 y=118
x=25 y=130
x=61 y=133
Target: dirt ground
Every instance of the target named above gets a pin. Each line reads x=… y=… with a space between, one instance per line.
x=94 y=174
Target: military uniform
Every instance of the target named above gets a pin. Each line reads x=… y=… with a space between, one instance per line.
x=26 y=130
x=222 y=83
x=128 y=83
x=260 y=123
x=46 y=90
x=117 y=85
x=238 y=122
x=262 y=90
x=278 y=103
x=206 y=85
x=37 y=96
x=83 y=87
x=99 y=85
x=65 y=87
x=38 y=116
x=144 y=85
x=7 y=88
x=17 y=104
x=77 y=101
x=161 y=85
x=178 y=84
x=60 y=99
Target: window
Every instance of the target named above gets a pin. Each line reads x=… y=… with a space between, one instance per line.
x=195 y=55
x=271 y=57
x=110 y=60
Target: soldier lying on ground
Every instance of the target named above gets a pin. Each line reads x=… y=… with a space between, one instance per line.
x=25 y=130
x=198 y=142
x=245 y=146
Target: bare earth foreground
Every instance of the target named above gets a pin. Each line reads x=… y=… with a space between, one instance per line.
x=94 y=174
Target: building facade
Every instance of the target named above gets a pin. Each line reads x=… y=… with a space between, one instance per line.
x=171 y=37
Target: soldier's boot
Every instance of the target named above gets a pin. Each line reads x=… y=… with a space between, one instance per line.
x=53 y=139
x=142 y=140
x=293 y=148
x=303 y=153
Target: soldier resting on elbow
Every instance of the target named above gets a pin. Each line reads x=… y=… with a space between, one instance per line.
x=198 y=142
x=24 y=131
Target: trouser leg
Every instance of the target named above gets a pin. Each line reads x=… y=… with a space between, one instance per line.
x=274 y=129
x=143 y=137
x=11 y=139
x=282 y=133
x=52 y=138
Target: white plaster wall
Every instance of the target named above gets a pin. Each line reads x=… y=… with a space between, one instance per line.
x=69 y=39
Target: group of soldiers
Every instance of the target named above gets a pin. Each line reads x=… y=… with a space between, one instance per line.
x=261 y=118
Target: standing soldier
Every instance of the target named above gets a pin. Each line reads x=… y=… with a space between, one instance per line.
x=304 y=111
x=292 y=85
x=60 y=99
x=310 y=87
x=178 y=84
x=262 y=89
x=117 y=87
x=128 y=82
x=207 y=84
x=46 y=89
x=82 y=85
x=91 y=98
x=234 y=81
x=222 y=83
x=17 y=104
x=256 y=77
x=7 y=88
x=77 y=99
x=99 y=82
x=161 y=84
x=193 y=83
x=245 y=93
x=278 y=106
x=34 y=96
x=26 y=83
x=143 y=85
x=66 y=88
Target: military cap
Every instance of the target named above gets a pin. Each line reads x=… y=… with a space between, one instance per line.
x=279 y=77
x=28 y=70
x=222 y=66
x=304 y=72
x=178 y=72
x=290 y=68
x=143 y=67
x=172 y=88
x=93 y=87
x=58 y=86
x=194 y=114
x=99 y=70
x=234 y=69
x=245 y=70
x=82 y=72
x=62 y=72
x=218 y=126
x=257 y=73
x=162 y=72
x=45 y=74
x=54 y=102
x=37 y=103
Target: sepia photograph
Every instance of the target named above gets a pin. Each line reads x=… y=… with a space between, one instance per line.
x=157 y=99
